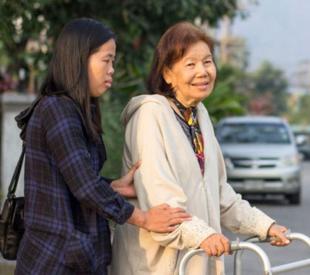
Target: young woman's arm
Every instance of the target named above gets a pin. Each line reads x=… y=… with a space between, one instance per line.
x=67 y=144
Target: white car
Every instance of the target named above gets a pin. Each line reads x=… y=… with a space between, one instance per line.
x=261 y=156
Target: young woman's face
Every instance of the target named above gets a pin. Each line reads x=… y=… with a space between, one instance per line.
x=100 y=68
x=193 y=76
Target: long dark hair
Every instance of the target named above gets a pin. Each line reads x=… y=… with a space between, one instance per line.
x=68 y=68
x=171 y=47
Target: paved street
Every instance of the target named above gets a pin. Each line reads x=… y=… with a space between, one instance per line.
x=296 y=218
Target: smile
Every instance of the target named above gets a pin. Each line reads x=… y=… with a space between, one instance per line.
x=108 y=83
x=202 y=85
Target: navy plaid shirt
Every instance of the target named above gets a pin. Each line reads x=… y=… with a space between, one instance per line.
x=67 y=202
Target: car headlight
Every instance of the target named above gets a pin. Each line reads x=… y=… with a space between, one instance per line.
x=291 y=160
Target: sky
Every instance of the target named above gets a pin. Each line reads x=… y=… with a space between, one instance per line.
x=278 y=31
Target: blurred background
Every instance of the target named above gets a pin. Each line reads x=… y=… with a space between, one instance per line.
x=261 y=50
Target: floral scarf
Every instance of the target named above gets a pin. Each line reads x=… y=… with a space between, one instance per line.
x=189 y=115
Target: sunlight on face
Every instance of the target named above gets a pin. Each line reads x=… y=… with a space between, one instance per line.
x=193 y=76
x=101 y=68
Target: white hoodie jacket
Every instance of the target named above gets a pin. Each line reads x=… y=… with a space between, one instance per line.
x=170 y=173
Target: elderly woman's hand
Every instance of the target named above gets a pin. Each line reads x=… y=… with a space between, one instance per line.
x=277 y=234
x=216 y=245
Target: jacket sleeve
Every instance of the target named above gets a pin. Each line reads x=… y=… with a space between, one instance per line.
x=67 y=144
x=155 y=181
x=237 y=214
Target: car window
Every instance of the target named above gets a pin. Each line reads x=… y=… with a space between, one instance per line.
x=265 y=133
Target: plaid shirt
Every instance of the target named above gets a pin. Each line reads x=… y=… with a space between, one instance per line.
x=67 y=202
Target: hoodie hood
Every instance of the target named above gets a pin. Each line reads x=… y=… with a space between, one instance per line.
x=24 y=116
x=136 y=102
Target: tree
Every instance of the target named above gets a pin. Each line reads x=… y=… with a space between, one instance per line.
x=300 y=112
x=226 y=100
x=267 y=90
x=28 y=28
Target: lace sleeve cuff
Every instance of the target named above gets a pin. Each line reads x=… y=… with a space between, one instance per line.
x=189 y=234
x=195 y=231
x=258 y=223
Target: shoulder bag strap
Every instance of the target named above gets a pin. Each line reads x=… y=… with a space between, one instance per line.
x=15 y=177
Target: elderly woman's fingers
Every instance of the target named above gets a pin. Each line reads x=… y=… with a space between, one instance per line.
x=215 y=245
x=226 y=245
x=278 y=235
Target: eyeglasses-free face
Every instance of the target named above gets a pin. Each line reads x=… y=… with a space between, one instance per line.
x=193 y=76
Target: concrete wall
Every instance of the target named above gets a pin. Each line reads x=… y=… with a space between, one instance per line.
x=11 y=145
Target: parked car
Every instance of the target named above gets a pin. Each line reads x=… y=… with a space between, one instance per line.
x=303 y=143
x=261 y=156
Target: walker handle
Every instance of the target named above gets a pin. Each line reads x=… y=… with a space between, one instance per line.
x=234 y=246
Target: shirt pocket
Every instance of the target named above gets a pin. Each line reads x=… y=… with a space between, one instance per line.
x=79 y=253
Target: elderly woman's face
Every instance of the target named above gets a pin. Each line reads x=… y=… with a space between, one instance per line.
x=193 y=76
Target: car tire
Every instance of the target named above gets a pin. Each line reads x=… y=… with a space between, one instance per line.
x=294 y=198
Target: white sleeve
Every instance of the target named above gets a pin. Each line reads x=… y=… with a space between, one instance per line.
x=237 y=214
x=155 y=181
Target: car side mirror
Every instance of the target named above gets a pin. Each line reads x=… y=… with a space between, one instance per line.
x=300 y=140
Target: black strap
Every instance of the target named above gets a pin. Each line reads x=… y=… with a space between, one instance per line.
x=22 y=121
x=15 y=177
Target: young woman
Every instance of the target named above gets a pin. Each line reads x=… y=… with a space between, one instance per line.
x=182 y=165
x=67 y=203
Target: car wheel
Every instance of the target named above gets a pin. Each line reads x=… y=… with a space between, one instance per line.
x=294 y=198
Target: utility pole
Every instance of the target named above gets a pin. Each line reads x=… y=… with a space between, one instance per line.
x=225 y=40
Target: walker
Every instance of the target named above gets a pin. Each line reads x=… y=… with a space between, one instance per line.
x=249 y=244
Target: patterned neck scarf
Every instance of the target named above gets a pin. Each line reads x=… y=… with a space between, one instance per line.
x=189 y=115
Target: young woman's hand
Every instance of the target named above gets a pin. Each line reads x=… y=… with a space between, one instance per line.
x=161 y=218
x=124 y=185
x=216 y=245
x=277 y=234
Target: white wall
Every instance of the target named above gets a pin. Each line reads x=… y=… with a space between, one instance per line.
x=11 y=145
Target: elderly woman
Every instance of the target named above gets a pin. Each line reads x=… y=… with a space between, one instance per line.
x=182 y=165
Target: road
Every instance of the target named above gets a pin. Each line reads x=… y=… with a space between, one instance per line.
x=296 y=218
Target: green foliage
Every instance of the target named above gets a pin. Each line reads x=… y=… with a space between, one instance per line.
x=138 y=24
x=226 y=99
x=300 y=112
x=269 y=85
x=113 y=135
x=263 y=91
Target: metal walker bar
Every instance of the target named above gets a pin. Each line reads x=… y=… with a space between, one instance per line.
x=280 y=268
x=249 y=245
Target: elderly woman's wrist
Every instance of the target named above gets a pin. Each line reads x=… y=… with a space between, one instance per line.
x=268 y=231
